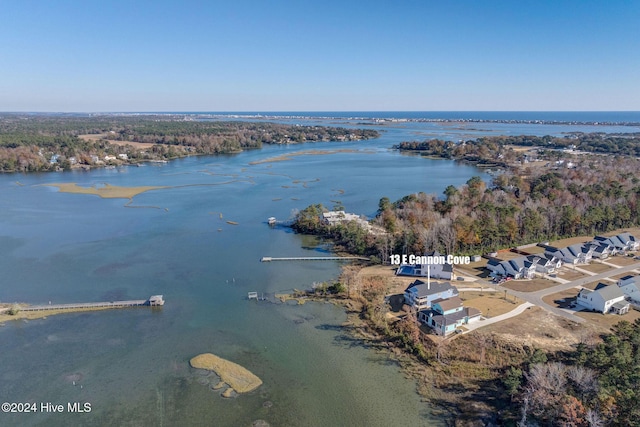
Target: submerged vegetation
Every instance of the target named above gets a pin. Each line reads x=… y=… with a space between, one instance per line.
x=485 y=378
x=31 y=143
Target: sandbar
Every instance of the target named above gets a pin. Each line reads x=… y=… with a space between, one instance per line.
x=290 y=156
x=106 y=191
x=240 y=379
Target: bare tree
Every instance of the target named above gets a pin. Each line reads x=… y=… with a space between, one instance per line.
x=594 y=419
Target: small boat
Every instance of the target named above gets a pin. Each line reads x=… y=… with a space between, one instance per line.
x=271 y=220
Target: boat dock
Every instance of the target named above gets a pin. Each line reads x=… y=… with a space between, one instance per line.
x=313 y=258
x=153 y=301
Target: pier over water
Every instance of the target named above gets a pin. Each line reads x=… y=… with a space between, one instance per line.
x=153 y=301
x=313 y=258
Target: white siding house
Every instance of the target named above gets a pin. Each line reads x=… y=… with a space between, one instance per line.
x=604 y=299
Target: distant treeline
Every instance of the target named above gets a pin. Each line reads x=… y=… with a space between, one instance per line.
x=603 y=194
x=30 y=142
x=496 y=147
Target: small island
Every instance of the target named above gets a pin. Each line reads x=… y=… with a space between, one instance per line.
x=238 y=378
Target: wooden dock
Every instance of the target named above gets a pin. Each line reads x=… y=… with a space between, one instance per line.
x=313 y=258
x=154 y=301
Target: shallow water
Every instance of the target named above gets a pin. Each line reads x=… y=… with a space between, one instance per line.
x=132 y=364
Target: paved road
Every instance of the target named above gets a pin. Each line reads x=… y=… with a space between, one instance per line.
x=488 y=321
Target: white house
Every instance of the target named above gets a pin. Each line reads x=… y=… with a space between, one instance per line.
x=604 y=299
x=446 y=315
x=544 y=264
x=629 y=286
x=419 y=295
x=518 y=268
x=574 y=254
x=434 y=270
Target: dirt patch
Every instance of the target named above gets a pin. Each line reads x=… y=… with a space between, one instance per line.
x=570 y=275
x=596 y=267
x=539 y=328
x=532 y=285
x=490 y=303
x=561 y=299
x=622 y=260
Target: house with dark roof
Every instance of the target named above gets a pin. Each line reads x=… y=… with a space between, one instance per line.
x=435 y=270
x=544 y=264
x=621 y=242
x=446 y=315
x=603 y=250
x=574 y=254
x=605 y=299
x=420 y=295
x=518 y=268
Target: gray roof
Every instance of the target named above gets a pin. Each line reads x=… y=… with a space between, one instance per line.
x=448 y=303
x=609 y=292
x=435 y=287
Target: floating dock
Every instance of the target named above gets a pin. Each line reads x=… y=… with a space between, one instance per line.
x=313 y=258
x=153 y=301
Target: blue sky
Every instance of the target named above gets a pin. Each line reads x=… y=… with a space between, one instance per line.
x=256 y=55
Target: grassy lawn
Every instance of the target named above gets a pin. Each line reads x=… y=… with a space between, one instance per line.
x=622 y=260
x=596 y=267
x=475 y=269
x=532 y=285
x=593 y=285
x=490 y=303
x=567 y=274
x=534 y=250
x=569 y=294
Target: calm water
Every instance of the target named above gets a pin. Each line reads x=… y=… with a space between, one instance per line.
x=133 y=364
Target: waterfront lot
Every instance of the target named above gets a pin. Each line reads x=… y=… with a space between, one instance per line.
x=541 y=329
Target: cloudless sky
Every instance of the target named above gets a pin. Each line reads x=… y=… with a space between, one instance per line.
x=298 y=55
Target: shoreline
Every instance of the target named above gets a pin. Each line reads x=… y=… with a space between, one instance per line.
x=34 y=315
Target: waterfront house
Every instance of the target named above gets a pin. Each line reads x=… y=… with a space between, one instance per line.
x=435 y=270
x=446 y=315
x=605 y=299
x=419 y=295
x=339 y=217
